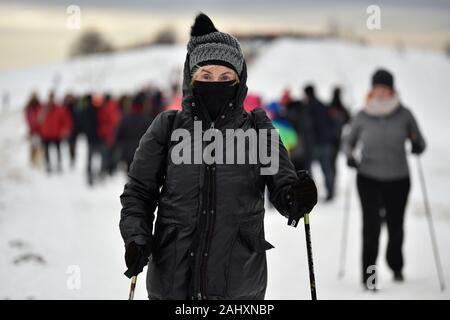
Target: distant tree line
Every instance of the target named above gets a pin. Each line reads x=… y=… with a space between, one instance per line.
x=92 y=41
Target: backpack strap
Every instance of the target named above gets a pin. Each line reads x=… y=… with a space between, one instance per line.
x=259 y=118
x=173 y=123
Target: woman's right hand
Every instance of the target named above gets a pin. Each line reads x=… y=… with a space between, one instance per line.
x=136 y=258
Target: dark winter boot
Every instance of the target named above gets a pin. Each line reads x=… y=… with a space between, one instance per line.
x=398 y=276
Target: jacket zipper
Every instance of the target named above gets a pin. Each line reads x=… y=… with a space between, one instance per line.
x=209 y=229
x=197 y=283
x=200 y=263
x=209 y=206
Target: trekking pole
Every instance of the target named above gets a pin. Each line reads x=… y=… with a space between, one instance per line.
x=132 y=287
x=345 y=223
x=431 y=226
x=312 y=280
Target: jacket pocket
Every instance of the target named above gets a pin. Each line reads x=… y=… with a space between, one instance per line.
x=161 y=267
x=247 y=270
x=164 y=234
x=253 y=242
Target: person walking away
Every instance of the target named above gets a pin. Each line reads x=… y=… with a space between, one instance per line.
x=157 y=99
x=70 y=103
x=108 y=119
x=130 y=130
x=208 y=240
x=299 y=115
x=123 y=104
x=382 y=128
x=340 y=117
x=32 y=111
x=56 y=125
x=90 y=125
x=322 y=138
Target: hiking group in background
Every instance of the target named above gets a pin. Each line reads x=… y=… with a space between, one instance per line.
x=317 y=128
x=111 y=126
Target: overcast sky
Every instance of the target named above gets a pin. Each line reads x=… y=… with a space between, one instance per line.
x=33 y=32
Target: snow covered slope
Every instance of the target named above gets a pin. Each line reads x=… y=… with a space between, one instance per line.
x=53 y=227
x=118 y=72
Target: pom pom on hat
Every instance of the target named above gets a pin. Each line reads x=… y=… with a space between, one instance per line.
x=202 y=25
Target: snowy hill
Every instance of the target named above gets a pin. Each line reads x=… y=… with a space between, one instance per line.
x=54 y=227
x=117 y=72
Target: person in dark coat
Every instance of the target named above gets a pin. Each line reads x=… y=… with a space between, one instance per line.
x=322 y=137
x=130 y=130
x=300 y=117
x=208 y=241
x=157 y=103
x=90 y=128
x=340 y=117
x=71 y=105
x=382 y=129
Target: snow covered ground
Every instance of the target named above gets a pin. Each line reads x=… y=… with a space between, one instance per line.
x=54 y=228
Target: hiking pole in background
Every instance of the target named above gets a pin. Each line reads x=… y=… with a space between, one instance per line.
x=431 y=226
x=345 y=223
x=132 y=288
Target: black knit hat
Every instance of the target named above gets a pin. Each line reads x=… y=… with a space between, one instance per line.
x=383 y=77
x=210 y=46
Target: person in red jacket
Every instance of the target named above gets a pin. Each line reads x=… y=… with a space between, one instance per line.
x=108 y=119
x=56 y=125
x=32 y=110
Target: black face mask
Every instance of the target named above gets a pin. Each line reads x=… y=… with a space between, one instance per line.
x=214 y=95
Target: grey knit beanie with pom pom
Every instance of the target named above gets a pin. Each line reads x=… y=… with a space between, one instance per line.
x=210 y=46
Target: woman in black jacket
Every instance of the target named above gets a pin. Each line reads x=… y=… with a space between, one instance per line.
x=208 y=241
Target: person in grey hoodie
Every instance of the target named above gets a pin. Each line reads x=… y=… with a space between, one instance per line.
x=381 y=130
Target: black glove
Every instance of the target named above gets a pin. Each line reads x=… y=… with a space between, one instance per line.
x=417 y=148
x=302 y=197
x=136 y=258
x=352 y=163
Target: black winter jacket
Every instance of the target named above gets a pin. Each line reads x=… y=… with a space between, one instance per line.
x=322 y=123
x=209 y=233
